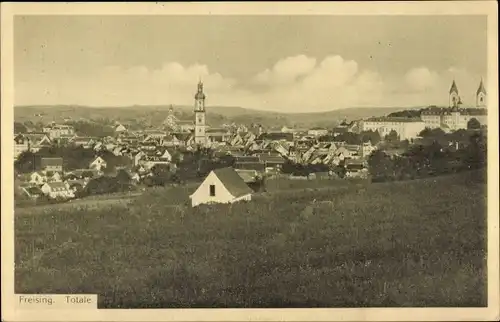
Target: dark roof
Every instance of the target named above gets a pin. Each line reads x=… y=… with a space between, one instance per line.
x=57 y=186
x=394 y=119
x=247 y=175
x=217 y=130
x=276 y=136
x=481 y=88
x=340 y=129
x=182 y=136
x=453 y=88
x=271 y=158
x=258 y=166
x=433 y=110
x=34 y=191
x=247 y=158
x=185 y=122
x=232 y=181
x=51 y=162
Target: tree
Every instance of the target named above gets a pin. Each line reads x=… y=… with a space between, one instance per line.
x=109 y=168
x=349 y=138
x=371 y=136
x=432 y=133
x=161 y=174
x=87 y=174
x=473 y=124
x=475 y=154
x=406 y=113
x=425 y=132
x=102 y=185
x=123 y=177
x=392 y=137
x=19 y=128
x=381 y=166
x=27 y=162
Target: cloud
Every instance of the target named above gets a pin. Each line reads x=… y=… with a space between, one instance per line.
x=421 y=79
x=293 y=84
x=286 y=70
x=299 y=84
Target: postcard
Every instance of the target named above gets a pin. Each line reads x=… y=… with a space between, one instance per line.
x=250 y=161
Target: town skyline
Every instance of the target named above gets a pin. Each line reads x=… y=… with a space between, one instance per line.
x=274 y=63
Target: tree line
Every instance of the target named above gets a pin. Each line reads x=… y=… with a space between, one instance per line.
x=74 y=157
x=440 y=154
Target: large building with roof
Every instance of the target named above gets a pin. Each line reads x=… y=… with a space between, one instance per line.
x=406 y=128
x=456 y=116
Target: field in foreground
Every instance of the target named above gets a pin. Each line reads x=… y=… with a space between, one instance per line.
x=415 y=243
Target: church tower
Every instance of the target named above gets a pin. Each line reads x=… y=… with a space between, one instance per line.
x=454 y=97
x=199 y=115
x=481 y=95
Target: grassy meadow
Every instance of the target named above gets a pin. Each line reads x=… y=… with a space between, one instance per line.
x=406 y=244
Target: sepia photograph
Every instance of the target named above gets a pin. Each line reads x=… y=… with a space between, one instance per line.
x=219 y=159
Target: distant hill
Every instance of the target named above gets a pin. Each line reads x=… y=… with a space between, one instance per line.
x=216 y=115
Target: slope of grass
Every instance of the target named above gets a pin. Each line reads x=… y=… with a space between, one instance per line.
x=415 y=243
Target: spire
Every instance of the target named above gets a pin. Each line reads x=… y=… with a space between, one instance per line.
x=199 y=93
x=453 y=88
x=481 y=88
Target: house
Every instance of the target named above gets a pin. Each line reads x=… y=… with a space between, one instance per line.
x=36 y=178
x=120 y=128
x=57 y=190
x=317 y=131
x=171 y=140
x=355 y=169
x=21 y=144
x=221 y=186
x=276 y=136
x=406 y=128
x=272 y=161
x=84 y=141
x=82 y=173
x=55 y=177
x=154 y=134
x=33 y=192
x=55 y=131
x=152 y=158
x=98 y=164
x=52 y=164
x=218 y=135
x=76 y=185
x=37 y=141
x=136 y=157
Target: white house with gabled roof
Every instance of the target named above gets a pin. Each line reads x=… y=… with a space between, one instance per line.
x=98 y=163
x=221 y=186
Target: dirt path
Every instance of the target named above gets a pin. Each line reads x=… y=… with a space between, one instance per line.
x=89 y=204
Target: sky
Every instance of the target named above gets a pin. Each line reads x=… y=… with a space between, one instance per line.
x=278 y=63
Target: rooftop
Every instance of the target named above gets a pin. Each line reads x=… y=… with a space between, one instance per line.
x=51 y=162
x=232 y=181
x=394 y=119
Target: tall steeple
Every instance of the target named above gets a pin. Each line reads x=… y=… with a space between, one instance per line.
x=481 y=95
x=454 y=98
x=199 y=115
x=453 y=88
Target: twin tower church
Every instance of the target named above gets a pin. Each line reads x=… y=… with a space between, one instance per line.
x=456 y=101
